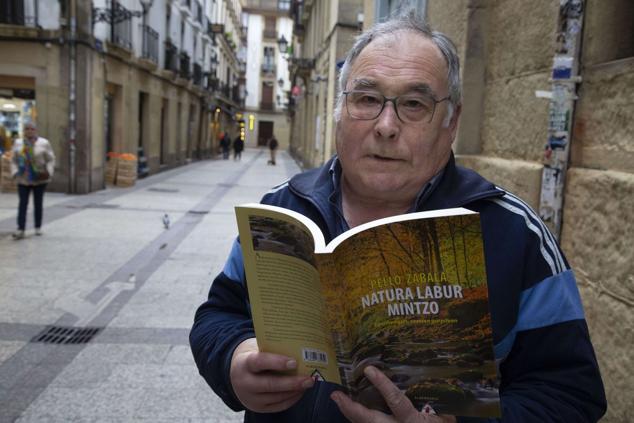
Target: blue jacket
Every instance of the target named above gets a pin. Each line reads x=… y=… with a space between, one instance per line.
x=548 y=368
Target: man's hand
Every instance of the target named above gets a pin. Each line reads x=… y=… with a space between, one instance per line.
x=402 y=409
x=257 y=380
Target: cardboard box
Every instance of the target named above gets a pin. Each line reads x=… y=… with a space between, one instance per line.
x=111 y=171
x=126 y=173
x=7 y=183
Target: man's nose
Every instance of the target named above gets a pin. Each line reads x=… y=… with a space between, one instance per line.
x=387 y=124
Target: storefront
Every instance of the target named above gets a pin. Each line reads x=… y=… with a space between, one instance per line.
x=17 y=107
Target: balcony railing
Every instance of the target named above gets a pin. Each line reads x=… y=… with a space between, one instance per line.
x=198 y=74
x=184 y=66
x=121 y=29
x=224 y=90
x=268 y=68
x=269 y=33
x=235 y=94
x=171 y=57
x=215 y=28
x=212 y=83
x=150 y=44
x=267 y=105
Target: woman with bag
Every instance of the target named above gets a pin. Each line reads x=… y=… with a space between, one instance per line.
x=32 y=166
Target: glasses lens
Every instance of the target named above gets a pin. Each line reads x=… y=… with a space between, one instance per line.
x=364 y=104
x=414 y=108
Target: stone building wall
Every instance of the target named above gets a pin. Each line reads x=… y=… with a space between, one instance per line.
x=506 y=48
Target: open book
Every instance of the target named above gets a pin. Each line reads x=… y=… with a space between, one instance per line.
x=407 y=294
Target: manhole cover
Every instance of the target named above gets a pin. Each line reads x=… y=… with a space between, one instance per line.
x=66 y=335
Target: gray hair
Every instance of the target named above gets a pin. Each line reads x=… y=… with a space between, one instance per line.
x=408 y=21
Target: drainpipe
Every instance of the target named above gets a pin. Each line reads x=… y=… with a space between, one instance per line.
x=565 y=77
x=72 y=88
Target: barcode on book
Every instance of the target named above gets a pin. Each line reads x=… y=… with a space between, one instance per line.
x=314 y=355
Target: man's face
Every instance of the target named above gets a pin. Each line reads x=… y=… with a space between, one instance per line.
x=385 y=158
x=30 y=132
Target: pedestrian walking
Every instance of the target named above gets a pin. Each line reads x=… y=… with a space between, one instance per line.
x=238 y=146
x=225 y=143
x=32 y=166
x=273 y=144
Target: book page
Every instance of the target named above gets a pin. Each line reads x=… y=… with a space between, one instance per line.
x=417 y=308
x=284 y=290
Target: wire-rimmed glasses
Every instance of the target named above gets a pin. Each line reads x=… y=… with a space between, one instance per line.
x=409 y=108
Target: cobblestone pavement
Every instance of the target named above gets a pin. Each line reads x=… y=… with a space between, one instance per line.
x=105 y=261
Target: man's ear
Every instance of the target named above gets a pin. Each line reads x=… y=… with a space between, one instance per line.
x=453 y=123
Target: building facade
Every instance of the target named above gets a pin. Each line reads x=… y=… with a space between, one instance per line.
x=323 y=32
x=157 y=78
x=516 y=56
x=267 y=72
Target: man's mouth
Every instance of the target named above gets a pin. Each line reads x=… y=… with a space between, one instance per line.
x=383 y=158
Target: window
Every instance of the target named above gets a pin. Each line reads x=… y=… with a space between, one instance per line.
x=269 y=27
x=168 y=18
x=268 y=61
x=199 y=13
x=385 y=8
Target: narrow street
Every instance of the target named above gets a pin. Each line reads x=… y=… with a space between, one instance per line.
x=106 y=261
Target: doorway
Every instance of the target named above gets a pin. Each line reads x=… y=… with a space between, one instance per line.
x=265 y=132
x=163 y=150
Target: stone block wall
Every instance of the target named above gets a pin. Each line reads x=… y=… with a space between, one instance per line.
x=597 y=238
x=506 y=48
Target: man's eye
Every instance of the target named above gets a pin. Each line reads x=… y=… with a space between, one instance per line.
x=368 y=99
x=413 y=103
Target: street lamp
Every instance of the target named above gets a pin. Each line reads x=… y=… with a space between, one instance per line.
x=282 y=44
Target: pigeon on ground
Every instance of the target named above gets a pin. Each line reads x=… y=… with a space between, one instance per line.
x=166 y=221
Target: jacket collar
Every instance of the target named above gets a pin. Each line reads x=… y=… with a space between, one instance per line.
x=455 y=187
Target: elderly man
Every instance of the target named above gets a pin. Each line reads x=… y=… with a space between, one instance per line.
x=397 y=115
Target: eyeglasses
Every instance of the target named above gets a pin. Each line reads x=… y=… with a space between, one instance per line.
x=409 y=108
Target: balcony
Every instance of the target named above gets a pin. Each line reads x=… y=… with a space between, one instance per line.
x=280 y=6
x=267 y=105
x=171 y=57
x=269 y=33
x=212 y=82
x=268 y=69
x=122 y=28
x=150 y=44
x=184 y=71
x=235 y=94
x=215 y=28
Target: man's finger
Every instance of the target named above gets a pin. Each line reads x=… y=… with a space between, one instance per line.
x=397 y=401
x=357 y=413
x=262 y=361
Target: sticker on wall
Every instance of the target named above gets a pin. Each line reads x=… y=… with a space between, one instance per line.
x=562 y=67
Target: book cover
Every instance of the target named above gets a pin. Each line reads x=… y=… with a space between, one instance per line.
x=407 y=294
